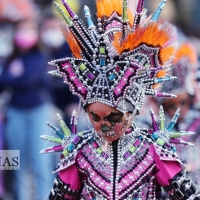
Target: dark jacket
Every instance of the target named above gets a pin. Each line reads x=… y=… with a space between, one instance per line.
x=29 y=88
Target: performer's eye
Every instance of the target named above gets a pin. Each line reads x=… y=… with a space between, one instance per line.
x=184 y=102
x=95 y=117
x=114 y=118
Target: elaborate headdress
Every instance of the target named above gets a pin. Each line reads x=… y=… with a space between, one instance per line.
x=184 y=63
x=121 y=60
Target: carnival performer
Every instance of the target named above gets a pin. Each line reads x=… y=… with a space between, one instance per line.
x=112 y=68
x=184 y=68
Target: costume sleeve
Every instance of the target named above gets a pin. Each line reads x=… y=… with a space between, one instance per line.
x=67 y=185
x=166 y=170
x=172 y=176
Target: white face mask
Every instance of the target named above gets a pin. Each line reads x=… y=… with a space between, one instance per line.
x=53 y=38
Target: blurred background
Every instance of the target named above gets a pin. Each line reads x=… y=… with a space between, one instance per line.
x=30 y=36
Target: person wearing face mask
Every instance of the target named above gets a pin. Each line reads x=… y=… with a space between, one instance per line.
x=51 y=35
x=112 y=69
x=24 y=75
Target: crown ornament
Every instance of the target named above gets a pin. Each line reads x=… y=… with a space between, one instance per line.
x=122 y=59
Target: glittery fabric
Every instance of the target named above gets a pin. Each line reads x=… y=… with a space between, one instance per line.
x=134 y=177
x=136 y=170
x=190 y=123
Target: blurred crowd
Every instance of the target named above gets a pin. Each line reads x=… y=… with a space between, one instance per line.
x=30 y=36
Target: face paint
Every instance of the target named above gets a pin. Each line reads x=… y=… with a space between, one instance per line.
x=114 y=118
x=111 y=131
x=108 y=122
x=105 y=128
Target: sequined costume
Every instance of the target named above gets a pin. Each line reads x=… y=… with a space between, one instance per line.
x=128 y=170
x=117 y=64
x=183 y=65
x=134 y=167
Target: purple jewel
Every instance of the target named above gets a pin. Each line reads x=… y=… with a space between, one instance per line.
x=117 y=68
x=127 y=154
x=90 y=76
x=103 y=154
x=136 y=143
x=95 y=145
x=76 y=139
x=168 y=145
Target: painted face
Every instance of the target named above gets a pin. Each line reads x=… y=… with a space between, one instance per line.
x=108 y=122
x=182 y=101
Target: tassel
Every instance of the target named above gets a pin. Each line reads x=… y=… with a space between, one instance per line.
x=181 y=134
x=138 y=14
x=55 y=73
x=174 y=120
x=69 y=10
x=51 y=138
x=154 y=123
x=74 y=123
x=181 y=142
x=61 y=12
x=162 y=119
x=52 y=149
x=64 y=127
x=156 y=15
x=56 y=130
x=165 y=95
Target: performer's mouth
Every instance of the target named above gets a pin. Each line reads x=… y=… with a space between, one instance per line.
x=111 y=134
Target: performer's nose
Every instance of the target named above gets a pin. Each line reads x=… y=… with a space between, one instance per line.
x=104 y=128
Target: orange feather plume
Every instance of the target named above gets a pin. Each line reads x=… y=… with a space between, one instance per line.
x=156 y=86
x=107 y=7
x=161 y=73
x=151 y=35
x=76 y=50
x=186 y=50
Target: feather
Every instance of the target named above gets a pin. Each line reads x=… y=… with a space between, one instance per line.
x=76 y=50
x=144 y=18
x=161 y=73
x=107 y=7
x=155 y=35
x=157 y=86
x=186 y=50
x=132 y=4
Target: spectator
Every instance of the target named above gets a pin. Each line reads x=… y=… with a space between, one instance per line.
x=189 y=119
x=25 y=75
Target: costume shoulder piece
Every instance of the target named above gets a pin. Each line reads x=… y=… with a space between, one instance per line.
x=163 y=138
x=69 y=142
